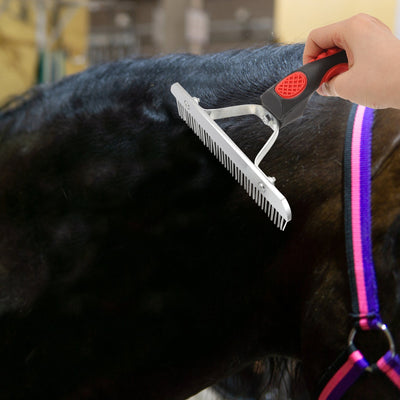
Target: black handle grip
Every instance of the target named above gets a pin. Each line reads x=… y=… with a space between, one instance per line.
x=287 y=99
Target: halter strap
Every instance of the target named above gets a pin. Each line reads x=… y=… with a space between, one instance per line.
x=351 y=364
x=347 y=368
x=357 y=203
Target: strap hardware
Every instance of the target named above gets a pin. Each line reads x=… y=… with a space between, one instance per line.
x=383 y=328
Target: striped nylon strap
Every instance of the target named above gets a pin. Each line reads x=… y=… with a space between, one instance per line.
x=351 y=364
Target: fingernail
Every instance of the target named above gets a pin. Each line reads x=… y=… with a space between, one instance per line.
x=324 y=89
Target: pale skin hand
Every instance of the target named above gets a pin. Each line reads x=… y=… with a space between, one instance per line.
x=373 y=78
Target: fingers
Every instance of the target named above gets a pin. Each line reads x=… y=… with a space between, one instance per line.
x=321 y=39
x=344 y=34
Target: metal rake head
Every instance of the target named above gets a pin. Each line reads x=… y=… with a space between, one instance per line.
x=259 y=186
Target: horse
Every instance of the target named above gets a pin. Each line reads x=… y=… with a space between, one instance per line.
x=132 y=265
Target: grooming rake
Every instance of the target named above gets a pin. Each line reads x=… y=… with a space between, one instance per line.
x=281 y=104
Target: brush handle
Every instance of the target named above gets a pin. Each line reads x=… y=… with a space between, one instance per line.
x=287 y=99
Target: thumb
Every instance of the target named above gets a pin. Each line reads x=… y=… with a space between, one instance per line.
x=328 y=88
x=339 y=86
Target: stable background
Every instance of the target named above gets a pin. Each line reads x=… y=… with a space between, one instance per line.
x=43 y=40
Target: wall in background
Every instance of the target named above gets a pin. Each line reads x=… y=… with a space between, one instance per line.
x=24 y=58
x=293 y=19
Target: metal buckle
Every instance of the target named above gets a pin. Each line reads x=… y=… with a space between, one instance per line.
x=389 y=337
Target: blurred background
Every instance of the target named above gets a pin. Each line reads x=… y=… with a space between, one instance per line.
x=44 y=40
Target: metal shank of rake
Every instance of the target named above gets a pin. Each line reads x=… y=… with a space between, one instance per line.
x=249 y=109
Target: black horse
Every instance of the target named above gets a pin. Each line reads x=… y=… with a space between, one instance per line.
x=133 y=266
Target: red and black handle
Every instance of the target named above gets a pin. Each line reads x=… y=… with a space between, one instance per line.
x=287 y=99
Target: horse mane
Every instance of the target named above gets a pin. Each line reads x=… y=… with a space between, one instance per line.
x=100 y=86
x=277 y=377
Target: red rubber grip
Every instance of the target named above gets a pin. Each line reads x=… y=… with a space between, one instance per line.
x=292 y=85
x=287 y=99
x=327 y=53
x=335 y=70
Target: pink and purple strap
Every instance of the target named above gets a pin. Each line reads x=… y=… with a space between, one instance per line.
x=390 y=366
x=365 y=304
x=347 y=369
x=357 y=187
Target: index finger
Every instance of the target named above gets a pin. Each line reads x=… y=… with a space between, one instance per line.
x=321 y=39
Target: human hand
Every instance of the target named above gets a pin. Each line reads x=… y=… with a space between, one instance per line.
x=373 y=53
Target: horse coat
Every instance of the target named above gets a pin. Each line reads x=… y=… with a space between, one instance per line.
x=133 y=266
